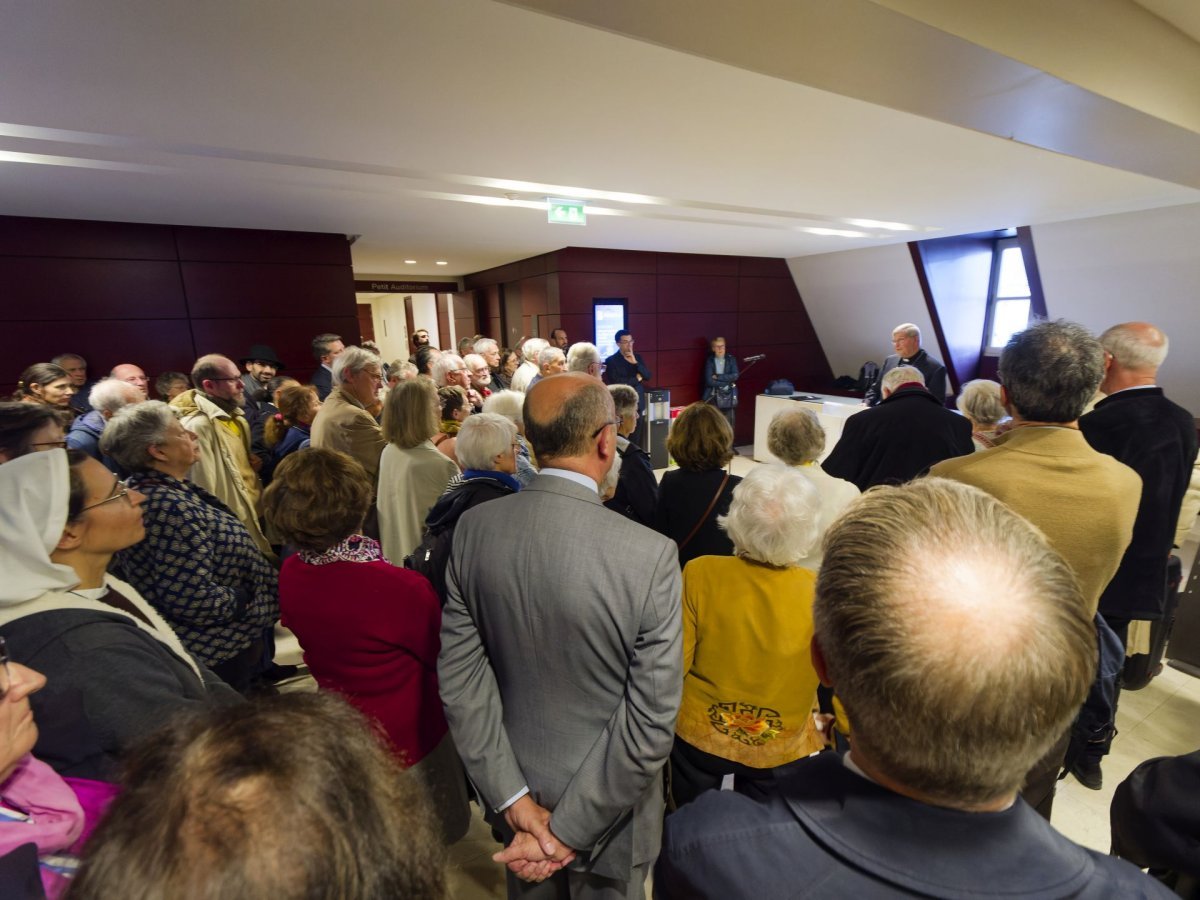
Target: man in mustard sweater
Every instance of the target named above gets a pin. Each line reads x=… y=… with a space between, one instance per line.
x=1084 y=501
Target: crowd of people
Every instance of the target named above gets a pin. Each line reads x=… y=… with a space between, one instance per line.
x=860 y=676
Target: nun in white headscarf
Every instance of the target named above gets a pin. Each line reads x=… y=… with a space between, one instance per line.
x=114 y=668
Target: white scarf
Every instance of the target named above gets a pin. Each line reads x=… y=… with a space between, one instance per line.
x=34 y=492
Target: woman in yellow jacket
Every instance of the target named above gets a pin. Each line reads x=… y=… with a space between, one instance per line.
x=749 y=686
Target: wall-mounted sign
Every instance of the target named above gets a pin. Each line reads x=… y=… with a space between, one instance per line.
x=566 y=212
x=405 y=287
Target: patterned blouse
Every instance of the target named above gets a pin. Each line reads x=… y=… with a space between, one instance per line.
x=200 y=568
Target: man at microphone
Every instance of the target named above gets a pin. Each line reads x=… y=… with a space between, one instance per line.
x=720 y=381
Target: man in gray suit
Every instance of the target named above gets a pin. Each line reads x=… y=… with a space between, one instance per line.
x=561 y=658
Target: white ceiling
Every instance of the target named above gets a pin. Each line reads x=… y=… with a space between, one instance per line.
x=382 y=119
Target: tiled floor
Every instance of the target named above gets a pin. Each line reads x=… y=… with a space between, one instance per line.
x=1162 y=719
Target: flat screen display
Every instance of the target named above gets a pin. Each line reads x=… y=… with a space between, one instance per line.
x=608 y=317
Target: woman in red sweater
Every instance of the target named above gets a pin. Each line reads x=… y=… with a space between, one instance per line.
x=369 y=630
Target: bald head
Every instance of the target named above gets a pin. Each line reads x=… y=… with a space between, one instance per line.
x=957 y=639
x=1133 y=353
x=131 y=374
x=566 y=418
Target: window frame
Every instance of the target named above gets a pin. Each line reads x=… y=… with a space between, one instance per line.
x=1001 y=244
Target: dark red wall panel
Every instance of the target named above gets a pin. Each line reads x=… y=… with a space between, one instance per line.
x=703 y=265
x=577 y=290
x=694 y=331
x=583 y=259
x=25 y=236
x=233 y=290
x=767 y=295
x=42 y=287
x=248 y=245
x=791 y=327
x=115 y=293
x=679 y=367
x=763 y=267
x=696 y=293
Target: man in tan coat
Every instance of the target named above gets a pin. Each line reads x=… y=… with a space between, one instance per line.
x=343 y=422
x=226 y=467
x=1084 y=501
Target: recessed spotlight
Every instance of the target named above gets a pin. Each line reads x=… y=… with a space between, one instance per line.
x=442 y=262
x=410 y=262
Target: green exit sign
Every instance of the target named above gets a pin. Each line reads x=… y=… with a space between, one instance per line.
x=566 y=212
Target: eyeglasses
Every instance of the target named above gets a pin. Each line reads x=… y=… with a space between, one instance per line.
x=120 y=489
x=234 y=378
x=5 y=674
x=615 y=423
x=61 y=444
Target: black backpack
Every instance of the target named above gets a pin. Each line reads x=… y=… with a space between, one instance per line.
x=431 y=556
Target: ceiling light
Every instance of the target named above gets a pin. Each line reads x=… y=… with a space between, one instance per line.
x=875 y=223
x=835 y=232
x=410 y=262
x=441 y=262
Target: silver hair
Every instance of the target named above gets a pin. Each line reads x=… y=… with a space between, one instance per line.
x=446 y=363
x=625 y=399
x=979 y=401
x=900 y=375
x=908 y=329
x=1134 y=348
x=510 y=404
x=133 y=430
x=611 y=477
x=582 y=356
x=483 y=343
x=532 y=347
x=353 y=360
x=63 y=357
x=548 y=355
x=111 y=394
x=474 y=359
x=795 y=436
x=483 y=437
x=773 y=517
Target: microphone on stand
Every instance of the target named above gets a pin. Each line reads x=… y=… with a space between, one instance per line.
x=755 y=358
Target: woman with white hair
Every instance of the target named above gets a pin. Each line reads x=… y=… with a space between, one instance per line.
x=198 y=565
x=797 y=439
x=749 y=686
x=487 y=452
x=511 y=405
x=979 y=401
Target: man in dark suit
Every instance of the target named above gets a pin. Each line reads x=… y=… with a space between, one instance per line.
x=325 y=348
x=940 y=675
x=560 y=666
x=906 y=341
x=1156 y=438
x=901 y=438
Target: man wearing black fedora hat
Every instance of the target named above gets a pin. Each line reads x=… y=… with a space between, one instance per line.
x=261 y=364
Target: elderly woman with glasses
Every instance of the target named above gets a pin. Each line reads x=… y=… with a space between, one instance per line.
x=749 y=686
x=116 y=670
x=198 y=566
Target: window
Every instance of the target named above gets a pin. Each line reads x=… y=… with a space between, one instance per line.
x=1009 y=300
